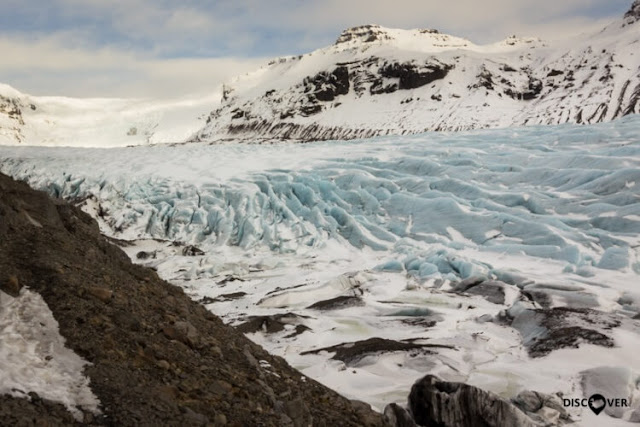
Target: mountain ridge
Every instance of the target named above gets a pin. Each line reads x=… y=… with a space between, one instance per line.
x=378 y=81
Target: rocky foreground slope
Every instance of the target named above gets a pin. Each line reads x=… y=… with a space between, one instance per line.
x=156 y=357
x=380 y=81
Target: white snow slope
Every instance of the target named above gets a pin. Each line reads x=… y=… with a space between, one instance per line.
x=99 y=122
x=549 y=214
x=379 y=81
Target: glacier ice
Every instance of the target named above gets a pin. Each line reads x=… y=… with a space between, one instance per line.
x=559 y=193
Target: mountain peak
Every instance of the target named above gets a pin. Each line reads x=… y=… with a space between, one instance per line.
x=365 y=33
x=633 y=14
x=372 y=32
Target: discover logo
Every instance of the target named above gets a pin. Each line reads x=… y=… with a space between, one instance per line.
x=596 y=402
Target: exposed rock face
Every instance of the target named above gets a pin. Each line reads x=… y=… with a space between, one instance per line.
x=327 y=86
x=633 y=14
x=434 y=402
x=157 y=357
x=11 y=116
x=411 y=75
x=363 y=33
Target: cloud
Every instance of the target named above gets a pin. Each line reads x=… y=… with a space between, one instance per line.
x=147 y=47
x=482 y=22
x=48 y=67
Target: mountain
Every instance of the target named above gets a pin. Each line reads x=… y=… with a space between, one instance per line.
x=379 y=81
x=97 y=122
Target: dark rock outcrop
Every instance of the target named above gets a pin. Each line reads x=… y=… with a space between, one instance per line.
x=157 y=357
x=364 y=33
x=412 y=76
x=491 y=290
x=549 y=329
x=327 y=86
x=353 y=352
x=272 y=324
x=337 y=303
x=633 y=14
x=434 y=402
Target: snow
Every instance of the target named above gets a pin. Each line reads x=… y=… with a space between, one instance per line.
x=34 y=358
x=394 y=221
x=101 y=122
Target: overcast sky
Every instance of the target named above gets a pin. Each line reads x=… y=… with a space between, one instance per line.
x=167 y=48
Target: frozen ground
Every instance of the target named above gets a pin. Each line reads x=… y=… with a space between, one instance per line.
x=466 y=251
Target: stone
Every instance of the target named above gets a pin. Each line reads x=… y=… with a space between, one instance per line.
x=11 y=286
x=366 y=416
x=436 y=402
x=145 y=255
x=103 y=294
x=220 y=420
x=299 y=413
x=549 y=415
x=528 y=401
x=163 y=364
x=192 y=251
x=184 y=332
x=194 y=418
x=397 y=416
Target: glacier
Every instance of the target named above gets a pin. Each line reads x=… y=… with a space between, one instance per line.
x=546 y=216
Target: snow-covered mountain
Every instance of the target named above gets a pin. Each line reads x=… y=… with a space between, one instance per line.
x=98 y=122
x=379 y=81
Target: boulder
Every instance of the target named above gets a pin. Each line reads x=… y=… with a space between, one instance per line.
x=434 y=402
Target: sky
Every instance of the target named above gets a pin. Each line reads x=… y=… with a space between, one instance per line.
x=170 y=48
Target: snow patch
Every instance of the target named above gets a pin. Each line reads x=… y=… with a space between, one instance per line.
x=33 y=356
